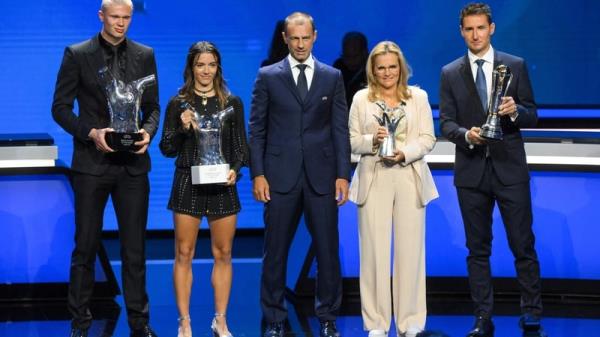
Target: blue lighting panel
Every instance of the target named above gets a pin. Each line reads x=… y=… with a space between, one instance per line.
x=561 y=62
x=37 y=229
x=564 y=204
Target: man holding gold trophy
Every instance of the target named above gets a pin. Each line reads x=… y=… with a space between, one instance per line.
x=485 y=99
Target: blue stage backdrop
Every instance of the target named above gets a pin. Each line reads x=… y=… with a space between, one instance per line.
x=564 y=206
x=36 y=230
x=560 y=41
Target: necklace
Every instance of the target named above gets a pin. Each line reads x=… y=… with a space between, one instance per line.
x=203 y=94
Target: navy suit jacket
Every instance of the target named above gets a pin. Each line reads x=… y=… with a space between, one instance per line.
x=289 y=136
x=461 y=109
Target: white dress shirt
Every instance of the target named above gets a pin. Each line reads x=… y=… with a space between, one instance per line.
x=309 y=71
x=488 y=68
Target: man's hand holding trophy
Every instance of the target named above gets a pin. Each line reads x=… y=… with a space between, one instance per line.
x=124 y=99
x=499 y=105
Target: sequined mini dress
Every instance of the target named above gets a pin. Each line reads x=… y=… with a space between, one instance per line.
x=209 y=199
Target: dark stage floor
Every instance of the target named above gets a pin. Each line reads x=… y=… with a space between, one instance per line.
x=244 y=314
x=446 y=317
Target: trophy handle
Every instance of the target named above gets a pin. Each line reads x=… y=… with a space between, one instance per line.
x=225 y=113
x=394 y=124
x=379 y=120
x=144 y=82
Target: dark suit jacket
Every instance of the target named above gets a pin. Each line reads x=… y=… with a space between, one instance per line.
x=461 y=109
x=78 y=80
x=288 y=135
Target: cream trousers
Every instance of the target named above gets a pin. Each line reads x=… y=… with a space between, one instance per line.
x=392 y=215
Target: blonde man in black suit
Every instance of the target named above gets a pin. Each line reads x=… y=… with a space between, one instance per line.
x=98 y=171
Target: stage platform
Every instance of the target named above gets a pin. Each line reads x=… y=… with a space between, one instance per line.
x=244 y=317
x=565 y=165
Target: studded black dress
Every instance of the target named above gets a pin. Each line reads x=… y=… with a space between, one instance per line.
x=210 y=199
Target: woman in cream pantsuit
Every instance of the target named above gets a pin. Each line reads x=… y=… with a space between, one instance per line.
x=391 y=194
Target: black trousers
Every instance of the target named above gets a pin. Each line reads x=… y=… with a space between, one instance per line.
x=130 y=199
x=514 y=202
x=281 y=216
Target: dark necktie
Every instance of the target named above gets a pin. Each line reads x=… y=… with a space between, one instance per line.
x=302 y=83
x=114 y=66
x=480 y=84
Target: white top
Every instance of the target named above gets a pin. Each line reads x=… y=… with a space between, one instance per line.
x=309 y=71
x=488 y=68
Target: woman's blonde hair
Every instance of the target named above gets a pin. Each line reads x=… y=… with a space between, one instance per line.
x=388 y=47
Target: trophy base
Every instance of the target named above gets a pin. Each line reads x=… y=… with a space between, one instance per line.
x=123 y=141
x=490 y=133
x=210 y=174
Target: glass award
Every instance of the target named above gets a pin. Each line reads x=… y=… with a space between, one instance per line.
x=390 y=117
x=210 y=166
x=124 y=108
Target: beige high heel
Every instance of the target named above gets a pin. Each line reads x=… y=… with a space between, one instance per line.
x=184 y=332
x=215 y=330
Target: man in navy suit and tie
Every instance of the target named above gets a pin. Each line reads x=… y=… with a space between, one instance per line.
x=300 y=164
x=488 y=172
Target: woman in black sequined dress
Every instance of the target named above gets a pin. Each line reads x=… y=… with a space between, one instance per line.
x=205 y=90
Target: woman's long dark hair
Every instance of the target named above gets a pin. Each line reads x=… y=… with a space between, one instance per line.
x=186 y=92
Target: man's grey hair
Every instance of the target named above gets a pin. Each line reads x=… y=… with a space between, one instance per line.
x=299 y=18
x=106 y=3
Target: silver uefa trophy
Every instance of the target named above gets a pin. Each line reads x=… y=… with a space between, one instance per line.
x=124 y=107
x=492 y=129
x=210 y=167
x=386 y=149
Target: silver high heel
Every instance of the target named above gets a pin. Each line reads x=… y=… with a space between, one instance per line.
x=215 y=330
x=180 y=331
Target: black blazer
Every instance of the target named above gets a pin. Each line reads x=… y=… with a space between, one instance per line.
x=289 y=135
x=461 y=109
x=78 y=80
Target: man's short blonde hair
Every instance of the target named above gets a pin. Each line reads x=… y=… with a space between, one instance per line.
x=106 y=3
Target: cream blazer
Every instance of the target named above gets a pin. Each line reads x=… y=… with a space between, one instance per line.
x=420 y=140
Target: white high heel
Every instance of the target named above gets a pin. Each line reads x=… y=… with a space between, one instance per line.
x=215 y=330
x=377 y=333
x=184 y=332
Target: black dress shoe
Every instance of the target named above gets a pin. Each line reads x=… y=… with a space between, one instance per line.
x=274 y=330
x=145 y=331
x=530 y=323
x=483 y=327
x=79 y=333
x=328 y=329
x=539 y=333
